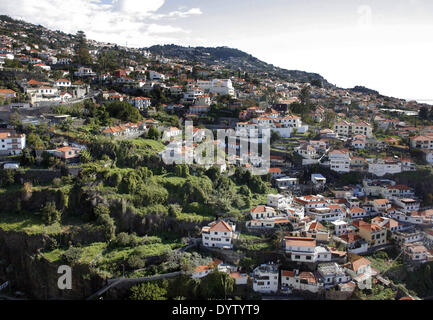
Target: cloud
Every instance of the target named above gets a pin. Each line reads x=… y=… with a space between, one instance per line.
x=135 y=21
x=179 y=14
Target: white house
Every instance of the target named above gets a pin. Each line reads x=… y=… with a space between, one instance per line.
x=302 y=249
x=381 y=167
x=262 y=212
x=197 y=109
x=332 y=274
x=63 y=83
x=65 y=97
x=340 y=160
x=172 y=132
x=359 y=269
x=287 y=182
x=42 y=66
x=407 y=205
x=153 y=75
x=278 y=201
x=12 y=143
x=140 y=103
x=357 y=213
x=302 y=281
x=84 y=72
x=340 y=227
x=219 y=235
x=422 y=142
x=266 y=278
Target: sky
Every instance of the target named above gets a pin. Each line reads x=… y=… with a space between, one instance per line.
x=385 y=45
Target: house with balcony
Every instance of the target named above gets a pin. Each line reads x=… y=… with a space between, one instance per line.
x=340 y=227
x=416 y=252
x=330 y=212
x=396 y=191
x=381 y=167
x=266 y=278
x=406 y=205
x=12 y=143
x=302 y=249
x=340 y=160
x=332 y=274
x=406 y=236
x=278 y=201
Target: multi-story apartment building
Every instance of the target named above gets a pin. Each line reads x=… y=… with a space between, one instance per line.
x=397 y=191
x=347 y=129
x=218 y=86
x=406 y=205
x=340 y=160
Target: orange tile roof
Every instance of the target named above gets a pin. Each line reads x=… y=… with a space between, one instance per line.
x=7 y=91
x=358 y=262
x=221 y=226
x=300 y=241
x=285 y=273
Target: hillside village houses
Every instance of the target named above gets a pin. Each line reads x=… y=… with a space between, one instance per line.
x=309 y=224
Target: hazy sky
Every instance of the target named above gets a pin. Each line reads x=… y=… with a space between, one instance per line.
x=382 y=44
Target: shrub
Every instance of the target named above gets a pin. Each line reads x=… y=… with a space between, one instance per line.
x=50 y=213
x=148 y=291
x=72 y=255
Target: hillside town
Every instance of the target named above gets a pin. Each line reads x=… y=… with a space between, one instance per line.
x=345 y=210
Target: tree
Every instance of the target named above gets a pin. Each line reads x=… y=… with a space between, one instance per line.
x=82 y=55
x=423 y=113
x=275 y=136
x=34 y=141
x=27 y=159
x=7 y=177
x=123 y=110
x=153 y=133
x=85 y=156
x=50 y=213
x=246 y=264
x=148 y=291
x=103 y=219
x=217 y=285
x=305 y=96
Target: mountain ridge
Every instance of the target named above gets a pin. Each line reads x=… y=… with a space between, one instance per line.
x=235 y=59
